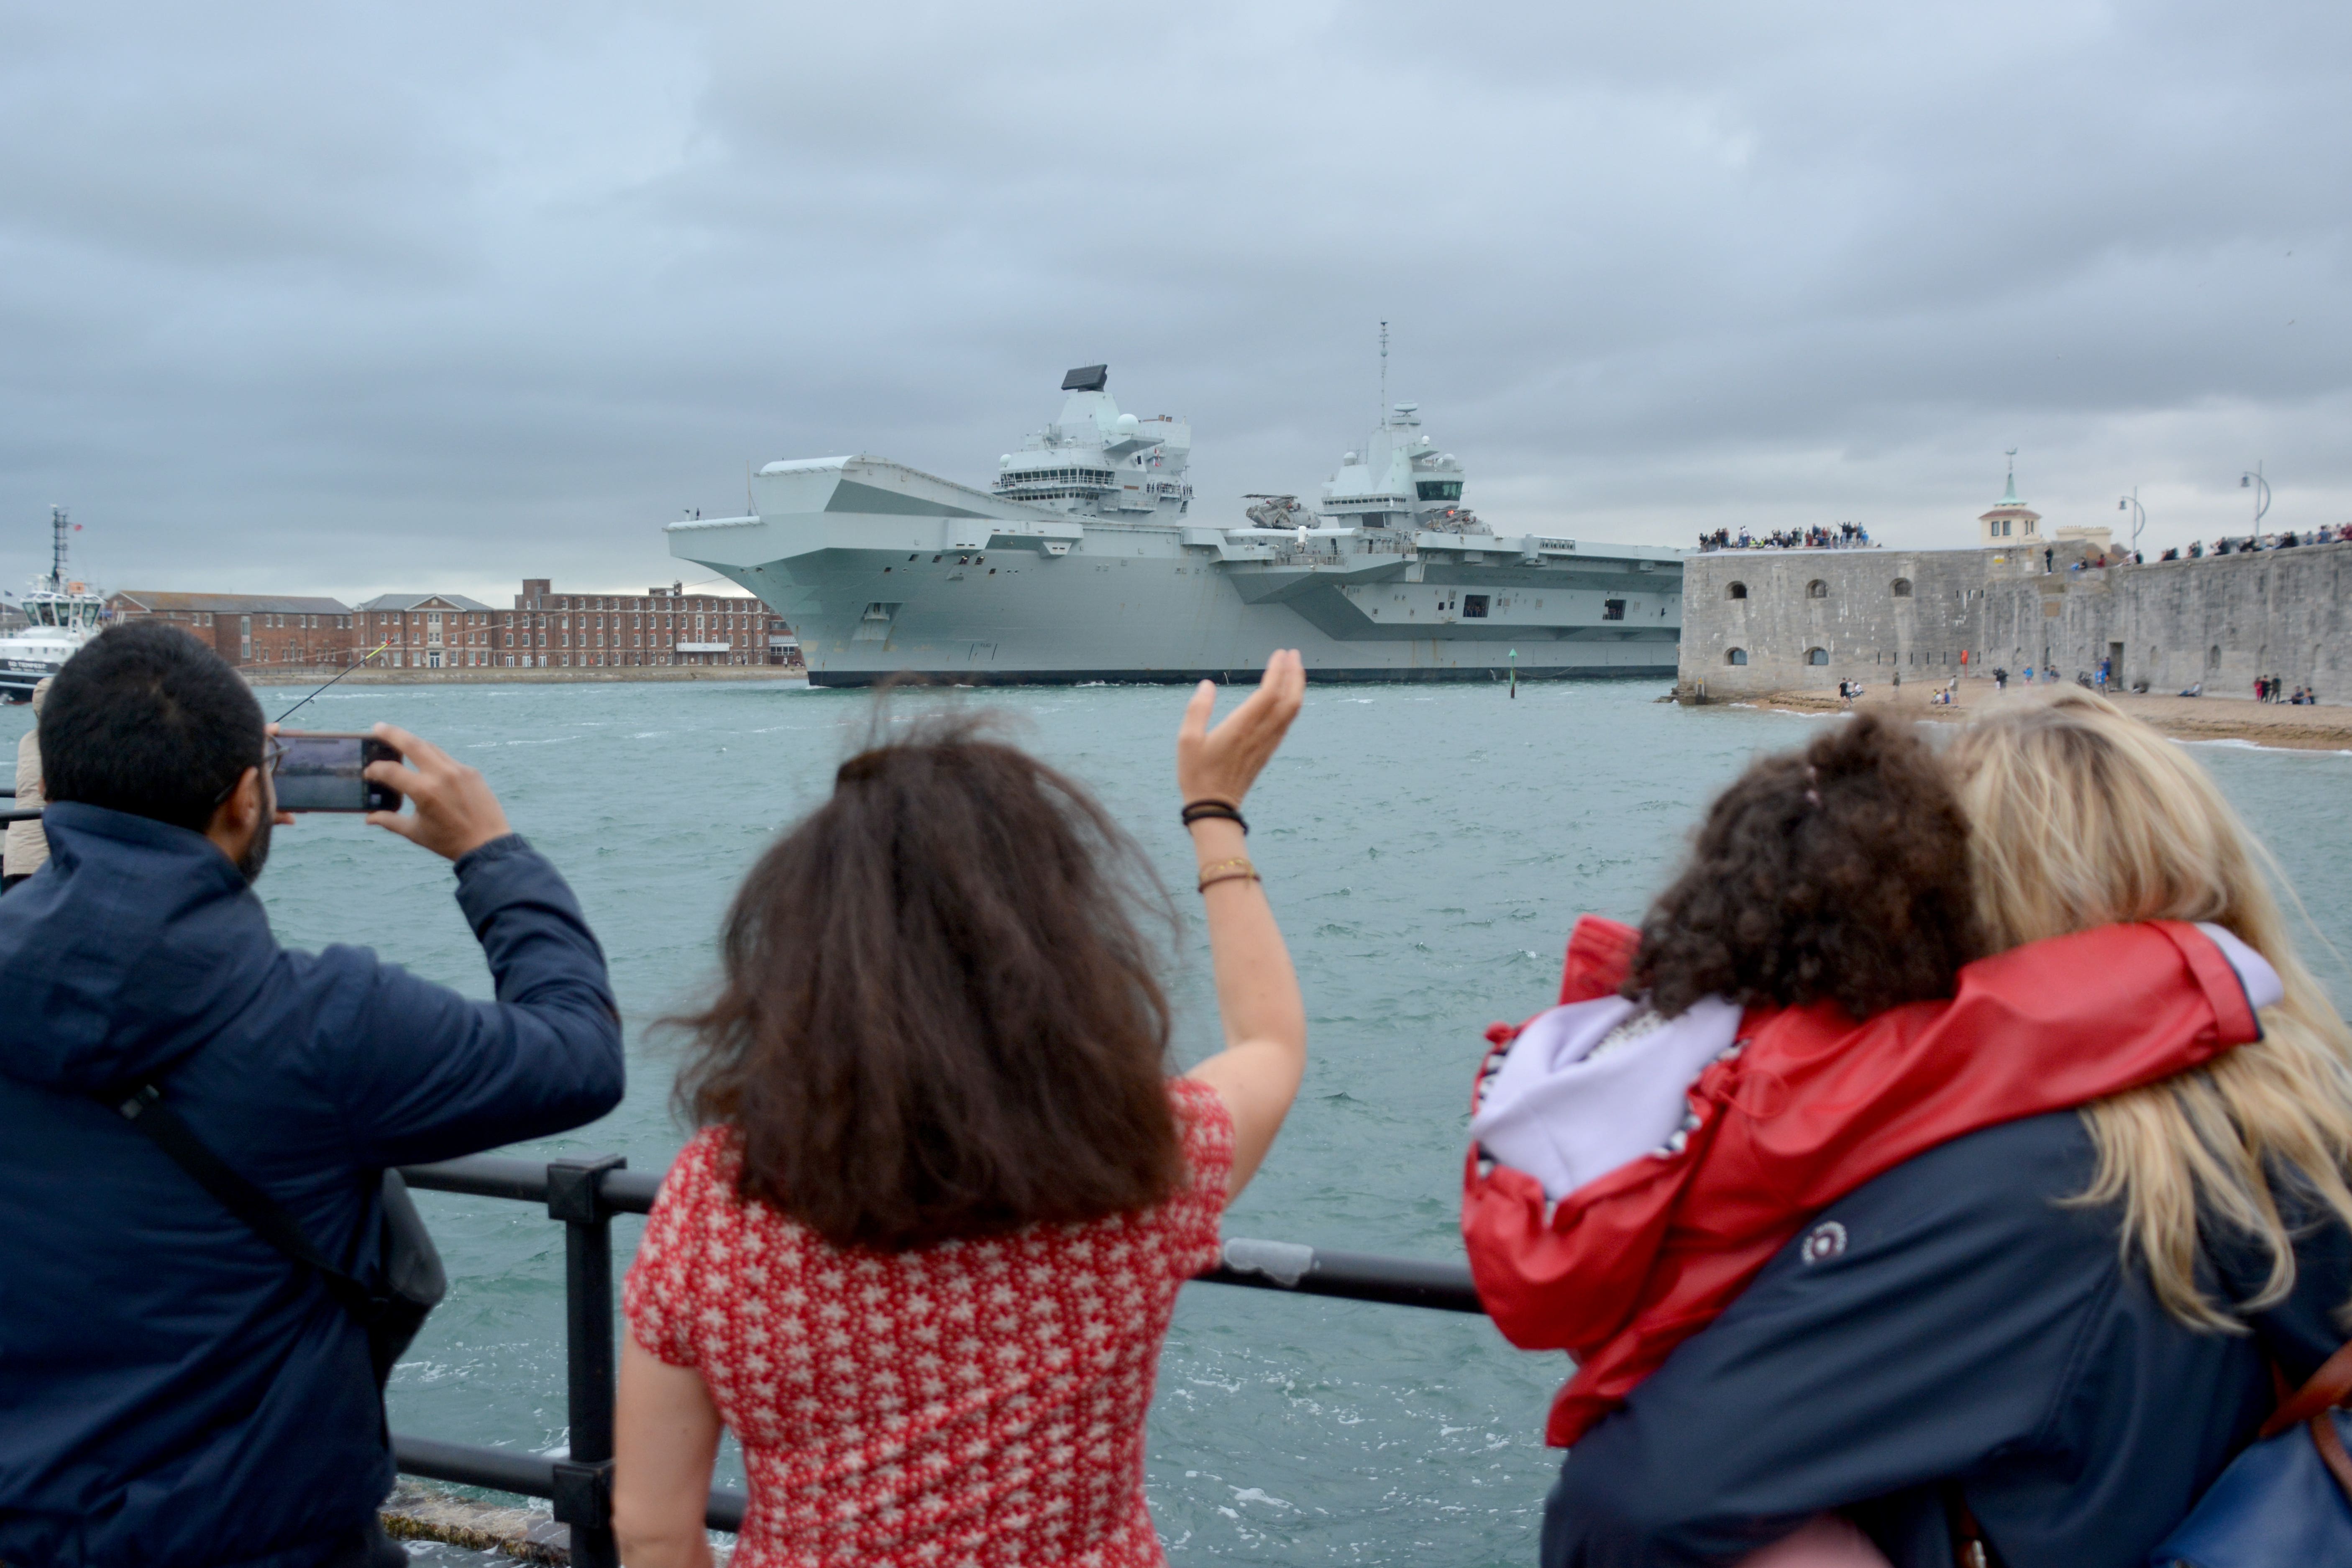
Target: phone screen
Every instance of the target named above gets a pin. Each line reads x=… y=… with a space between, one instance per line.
x=321 y=773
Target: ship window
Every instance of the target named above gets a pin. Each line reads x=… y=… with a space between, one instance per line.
x=1737 y=591
x=1903 y=588
x=1439 y=490
x=1817 y=656
x=935 y=560
x=1613 y=609
x=1473 y=607
x=1737 y=656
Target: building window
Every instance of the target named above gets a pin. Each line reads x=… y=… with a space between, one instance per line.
x=1817 y=656
x=1473 y=607
x=1737 y=591
x=1737 y=656
x=1613 y=609
x=1817 y=589
x=1903 y=588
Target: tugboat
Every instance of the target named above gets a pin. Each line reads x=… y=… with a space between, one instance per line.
x=64 y=615
x=1085 y=560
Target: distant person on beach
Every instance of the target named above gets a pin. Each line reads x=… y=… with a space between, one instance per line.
x=921 y=1256
x=174 y=1389
x=1706 y=1087
x=2053 y=1331
x=1999 y=679
x=26 y=850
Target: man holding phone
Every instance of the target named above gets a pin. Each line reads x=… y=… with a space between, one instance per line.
x=175 y=1388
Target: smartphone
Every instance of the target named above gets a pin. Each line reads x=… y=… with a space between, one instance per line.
x=321 y=773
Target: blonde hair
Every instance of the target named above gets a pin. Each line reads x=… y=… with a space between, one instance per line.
x=2081 y=816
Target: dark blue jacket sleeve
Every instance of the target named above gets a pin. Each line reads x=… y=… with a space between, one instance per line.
x=437 y=1075
x=1958 y=1321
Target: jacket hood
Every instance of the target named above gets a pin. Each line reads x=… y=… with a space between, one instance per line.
x=132 y=946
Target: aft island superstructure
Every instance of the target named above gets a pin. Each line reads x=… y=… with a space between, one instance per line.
x=1082 y=561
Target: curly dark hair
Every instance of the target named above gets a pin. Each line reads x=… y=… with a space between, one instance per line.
x=938 y=1017
x=1839 y=872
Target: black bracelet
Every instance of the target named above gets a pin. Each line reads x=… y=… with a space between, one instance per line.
x=1215 y=810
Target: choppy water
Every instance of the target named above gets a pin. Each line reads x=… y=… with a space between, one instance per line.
x=1426 y=849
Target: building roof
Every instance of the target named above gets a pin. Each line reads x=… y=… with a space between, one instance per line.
x=231 y=603
x=423 y=602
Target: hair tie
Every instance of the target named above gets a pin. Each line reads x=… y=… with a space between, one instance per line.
x=864 y=765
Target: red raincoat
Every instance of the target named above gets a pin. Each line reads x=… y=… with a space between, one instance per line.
x=1630 y=1265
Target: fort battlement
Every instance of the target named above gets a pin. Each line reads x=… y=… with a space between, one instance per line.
x=1759 y=621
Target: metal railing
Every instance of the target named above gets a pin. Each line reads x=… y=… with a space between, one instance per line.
x=586 y=1193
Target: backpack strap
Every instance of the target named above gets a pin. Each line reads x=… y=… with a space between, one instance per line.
x=145 y=1109
x=2309 y=1407
x=2326 y=1390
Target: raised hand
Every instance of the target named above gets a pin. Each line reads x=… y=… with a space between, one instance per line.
x=456 y=811
x=1222 y=763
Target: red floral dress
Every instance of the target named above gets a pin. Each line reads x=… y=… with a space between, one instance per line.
x=977 y=1402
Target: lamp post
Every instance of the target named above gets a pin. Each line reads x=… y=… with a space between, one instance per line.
x=2139 y=515
x=2252 y=480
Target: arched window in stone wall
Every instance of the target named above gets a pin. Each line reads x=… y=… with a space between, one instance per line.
x=1737 y=591
x=1817 y=589
x=1903 y=588
x=2213 y=656
x=1817 y=656
x=1737 y=656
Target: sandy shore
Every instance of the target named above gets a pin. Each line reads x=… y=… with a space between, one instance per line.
x=2312 y=728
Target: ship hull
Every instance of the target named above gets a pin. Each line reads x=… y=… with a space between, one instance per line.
x=961 y=587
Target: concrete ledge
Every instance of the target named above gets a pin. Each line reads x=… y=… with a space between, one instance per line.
x=419 y=1512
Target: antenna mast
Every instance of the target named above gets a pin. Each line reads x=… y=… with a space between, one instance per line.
x=1383 y=419
x=57 y=549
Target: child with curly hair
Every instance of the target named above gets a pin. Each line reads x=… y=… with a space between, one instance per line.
x=1803 y=1009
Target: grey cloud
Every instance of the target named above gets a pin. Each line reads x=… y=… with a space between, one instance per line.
x=346 y=298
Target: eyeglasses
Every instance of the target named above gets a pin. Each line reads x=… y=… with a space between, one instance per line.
x=273 y=754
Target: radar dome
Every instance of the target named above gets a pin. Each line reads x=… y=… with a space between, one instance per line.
x=1347 y=457
x=1005 y=461
x=1129 y=423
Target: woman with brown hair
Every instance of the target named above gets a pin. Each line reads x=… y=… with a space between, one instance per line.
x=923 y=1251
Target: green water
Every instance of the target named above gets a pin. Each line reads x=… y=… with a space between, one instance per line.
x=1426 y=849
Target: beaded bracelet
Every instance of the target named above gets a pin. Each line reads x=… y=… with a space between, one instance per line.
x=1218 y=810
x=1236 y=869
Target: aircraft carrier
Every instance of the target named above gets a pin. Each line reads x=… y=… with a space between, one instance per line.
x=1082 y=562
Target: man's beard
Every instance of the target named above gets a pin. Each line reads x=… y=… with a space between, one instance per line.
x=256 y=853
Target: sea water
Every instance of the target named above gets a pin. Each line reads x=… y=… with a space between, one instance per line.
x=1425 y=848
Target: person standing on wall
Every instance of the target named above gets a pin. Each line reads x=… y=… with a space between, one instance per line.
x=27 y=849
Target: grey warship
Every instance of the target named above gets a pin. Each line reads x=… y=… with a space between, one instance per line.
x=1081 y=561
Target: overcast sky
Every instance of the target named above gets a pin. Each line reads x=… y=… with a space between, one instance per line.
x=349 y=298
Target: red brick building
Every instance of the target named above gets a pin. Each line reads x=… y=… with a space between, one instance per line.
x=425 y=631
x=548 y=630
x=252 y=628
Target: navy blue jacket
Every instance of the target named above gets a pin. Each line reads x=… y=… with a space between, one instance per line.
x=1958 y=1321
x=172 y=1389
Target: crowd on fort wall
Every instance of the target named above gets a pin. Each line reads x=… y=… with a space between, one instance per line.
x=1761 y=622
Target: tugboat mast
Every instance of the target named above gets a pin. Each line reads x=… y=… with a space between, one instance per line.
x=58 y=529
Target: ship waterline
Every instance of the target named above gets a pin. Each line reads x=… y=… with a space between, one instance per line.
x=1084 y=564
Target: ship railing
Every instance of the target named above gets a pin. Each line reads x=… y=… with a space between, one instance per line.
x=585 y=1192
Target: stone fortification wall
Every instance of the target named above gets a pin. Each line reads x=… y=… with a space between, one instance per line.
x=1762 y=621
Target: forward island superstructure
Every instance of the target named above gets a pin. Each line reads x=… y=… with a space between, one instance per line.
x=1083 y=560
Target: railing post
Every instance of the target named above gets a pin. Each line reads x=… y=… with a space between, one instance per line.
x=583 y=1478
